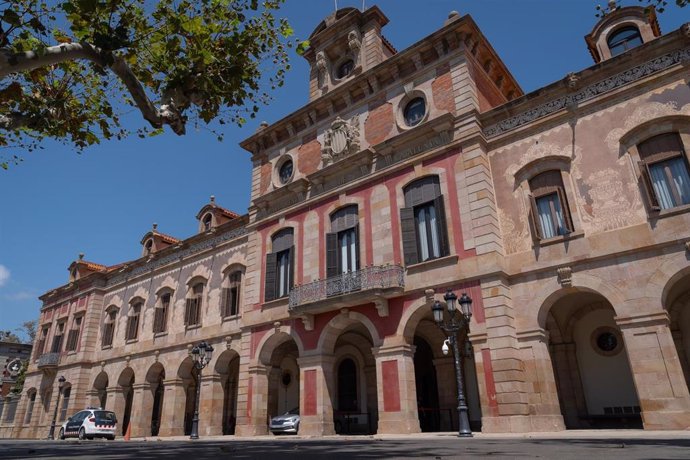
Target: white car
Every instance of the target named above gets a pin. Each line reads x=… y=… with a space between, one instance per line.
x=90 y=423
x=286 y=423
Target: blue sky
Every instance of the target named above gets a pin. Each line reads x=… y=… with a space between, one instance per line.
x=58 y=203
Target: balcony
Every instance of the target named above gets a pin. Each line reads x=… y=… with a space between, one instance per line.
x=371 y=284
x=48 y=360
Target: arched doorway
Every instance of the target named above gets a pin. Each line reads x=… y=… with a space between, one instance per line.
x=283 y=377
x=100 y=384
x=427 y=387
x=677 y=303
x=155 y=377
x=228 y=367
x=592 y=372
x=189 y=375
x=126 y=382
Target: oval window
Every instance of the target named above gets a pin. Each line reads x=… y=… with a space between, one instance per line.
x=285 y=172
x=414 y=111
x=345 y=68
x=607 y=341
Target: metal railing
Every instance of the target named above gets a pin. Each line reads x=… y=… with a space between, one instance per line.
x=374 y=277
x=48 y=359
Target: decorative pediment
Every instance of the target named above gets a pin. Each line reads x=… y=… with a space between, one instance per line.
x=341 y=140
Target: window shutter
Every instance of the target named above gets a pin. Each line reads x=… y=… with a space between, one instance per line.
x=565 y=208
x=357 y=251
x=291 y=268
x=270 y=281
x=409 y=236
x=331 y=254
x=647 y=186
x=442 y=225
x=534 y=219
x=224 y=301
x=188 y=311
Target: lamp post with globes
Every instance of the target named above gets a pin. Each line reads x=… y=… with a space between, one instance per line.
x=201 y=356
x=61 y=383
x=457 y=322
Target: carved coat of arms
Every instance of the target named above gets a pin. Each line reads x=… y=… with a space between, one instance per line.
x=341 y=140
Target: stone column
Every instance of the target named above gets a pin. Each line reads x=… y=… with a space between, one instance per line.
x=544 y=409
x=93 y=399
x=142 y=405
x=447 y=393
x=678 y=341
x=211 y=405
x=252 y=408
x=172 y=416
x=116 y=403
x=567 y=373
x=656 y=370
x=317 y=386
x=397 y=391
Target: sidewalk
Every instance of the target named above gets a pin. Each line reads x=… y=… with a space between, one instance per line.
x=567 y=434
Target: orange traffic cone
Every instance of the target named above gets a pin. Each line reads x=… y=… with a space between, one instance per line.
x=128 y=433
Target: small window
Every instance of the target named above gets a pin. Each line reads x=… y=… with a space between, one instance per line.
x=208 y=222
x=550 y=212
x=230 y=298
x=345 y=68
x=133 y=322
x=192 y=315
x=285 y=172
x=623 y=40
x=665 y=171
x=30 y=408
x=423 y=221
x=66 y=393
x=279 y=265
x=414 y=111
x=148 y=247
x=160 y=317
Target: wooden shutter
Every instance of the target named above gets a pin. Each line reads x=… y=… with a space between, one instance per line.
x=565 y=209
x=645 y=176
x=534 y=219
x=442 y=226
x=270 y=280
x=225 y=302
x=331 y=255
x=291 y=268
x=357 y=252
x=409 y=236
x=188 y=311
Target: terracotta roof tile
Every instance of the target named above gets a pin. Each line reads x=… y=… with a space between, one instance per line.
x=166 y=238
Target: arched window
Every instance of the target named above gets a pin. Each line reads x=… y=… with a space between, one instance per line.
x=279 y=265
x=66 y=393
x=423 y=221
x=57 y=338
x=342 y=244
x=192 y=313
x=160 y=316
x=133 y=321
x=230 y=297
x=73 y=336
x=665 y=171
x=208 y=222
x=109 y=327
x=549 y=205
x=345 y=69
x=624 y=39
x=148 y=247
x=30 y=407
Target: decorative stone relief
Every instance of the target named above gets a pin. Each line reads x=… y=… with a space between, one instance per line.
x=628 y=76
x=643 y=114
x=536 y=152
x=354 y=42
x=321 y=68
x=515 y=239
x=341 y=140
x=565 y=276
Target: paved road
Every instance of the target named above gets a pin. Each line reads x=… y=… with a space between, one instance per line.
x=284 y=448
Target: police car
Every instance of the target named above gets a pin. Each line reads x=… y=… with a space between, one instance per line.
x=90 y=423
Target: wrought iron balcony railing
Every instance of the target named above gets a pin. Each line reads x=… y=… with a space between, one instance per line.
x=48 y=360
x=369 y=278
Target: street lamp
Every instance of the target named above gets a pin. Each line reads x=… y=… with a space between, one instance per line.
x=201 y=356
x=61 y=383
x=451 y=328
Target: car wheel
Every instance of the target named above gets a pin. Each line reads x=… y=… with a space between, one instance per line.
x=61 y=435
x=82 y=434
x=296 y=427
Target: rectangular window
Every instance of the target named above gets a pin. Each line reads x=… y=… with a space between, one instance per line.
x=109 y=329
x=133 y=323
x=283 y=271
x=193 y=307
x=665 y=171
x=57 y=339
x=30 y=408
x=161 y=314
x=280 y=265
x=41 y=346
x=10 y=409
x=230 y=296
x=73 y=337
x=424 y=231
x=427 y=231
x=550 y=216
x=66 y=393
x=347 y=243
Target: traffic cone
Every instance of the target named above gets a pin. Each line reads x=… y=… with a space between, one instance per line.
x=128 y=433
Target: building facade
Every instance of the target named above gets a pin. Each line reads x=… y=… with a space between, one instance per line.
x=564 y=214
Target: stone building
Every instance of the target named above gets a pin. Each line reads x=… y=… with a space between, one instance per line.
x=564 y=214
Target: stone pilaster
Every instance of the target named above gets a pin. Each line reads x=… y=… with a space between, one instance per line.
x=252 y=412
x=657 y=372
x=397 y=391
x=317 y=387
x=172 y=417
x=567 y=373
x=142 y=405
x=116 y=402
x=211 y=405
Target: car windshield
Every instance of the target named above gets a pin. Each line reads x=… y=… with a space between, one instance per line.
x=294 y=411
x=105 y=416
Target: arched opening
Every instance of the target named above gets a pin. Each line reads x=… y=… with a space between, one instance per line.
x=347 y=385
x=155 y=377
x=427 y=387
x=189 y=375
x=126 y=382
x=228 y=367
x=283 y=378
x=592 y=372
x=100 y=385
x=678 y=305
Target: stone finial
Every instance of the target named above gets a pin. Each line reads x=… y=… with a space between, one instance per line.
x=155 y=225
x=263 y=125
x=213 y=199
x=612 y=5
x=81 y=256
x=452 y=16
